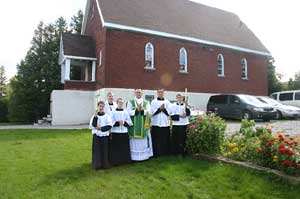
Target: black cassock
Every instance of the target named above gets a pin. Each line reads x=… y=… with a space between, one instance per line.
x=160 y=140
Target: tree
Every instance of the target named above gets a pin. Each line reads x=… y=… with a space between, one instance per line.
x=294 y=84
x=76 y=22
x=37 y=75
x=3 y=79
x=273 y=78
x=3 y=93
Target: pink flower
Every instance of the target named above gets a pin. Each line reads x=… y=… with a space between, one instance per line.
x=192 y=127
x=198 y=121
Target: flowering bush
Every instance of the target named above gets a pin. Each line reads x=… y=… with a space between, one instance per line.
x=243 y=145
x=281 y=152
x=259 y=146
x=205 y=134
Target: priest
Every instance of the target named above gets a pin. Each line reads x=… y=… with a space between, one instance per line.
x=160 y=112
x=139 y=133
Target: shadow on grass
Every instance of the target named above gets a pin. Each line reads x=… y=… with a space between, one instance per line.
x=37 y=134
x=169 y=170
x=154 y=168
x=69 y=175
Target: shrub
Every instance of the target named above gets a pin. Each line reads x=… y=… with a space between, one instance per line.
x=205 y=134
x=259 y=146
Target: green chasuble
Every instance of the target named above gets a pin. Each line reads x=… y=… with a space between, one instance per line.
x=141 y=123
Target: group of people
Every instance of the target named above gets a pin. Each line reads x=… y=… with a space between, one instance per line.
x=138 y=131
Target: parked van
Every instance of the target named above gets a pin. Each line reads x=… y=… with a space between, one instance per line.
x=239 y=107
x=291 y=98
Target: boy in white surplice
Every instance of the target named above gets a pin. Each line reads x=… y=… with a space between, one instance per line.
x=100 y=124
x=119 y=143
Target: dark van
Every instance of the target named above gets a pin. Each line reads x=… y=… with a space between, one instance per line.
x=240 y=106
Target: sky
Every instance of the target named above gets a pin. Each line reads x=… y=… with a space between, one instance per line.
x=275 y=22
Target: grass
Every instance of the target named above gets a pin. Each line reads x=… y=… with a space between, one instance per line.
x=56 y=164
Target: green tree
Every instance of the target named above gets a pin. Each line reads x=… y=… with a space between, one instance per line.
x=76 y=22
x=294 y=84
x=3 y=95
x=3 y=79
x=273 y=78
x=37 y=75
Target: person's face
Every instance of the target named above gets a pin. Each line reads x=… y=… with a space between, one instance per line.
x=120 y=103
x=179 y=98
x=138 y=93
x=160 y=93
x=101 y=107
x=110 y=97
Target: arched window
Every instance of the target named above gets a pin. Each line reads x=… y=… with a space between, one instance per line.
x=183 y=60
x=244 y=69
x=149 y=55
x=220 y=66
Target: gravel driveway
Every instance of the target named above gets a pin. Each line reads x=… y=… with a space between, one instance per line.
x=291 y=127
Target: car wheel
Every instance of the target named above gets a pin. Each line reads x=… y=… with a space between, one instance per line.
x=278 y=115
x=247 y=115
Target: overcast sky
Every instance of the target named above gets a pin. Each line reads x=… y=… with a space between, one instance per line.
x=275 y=22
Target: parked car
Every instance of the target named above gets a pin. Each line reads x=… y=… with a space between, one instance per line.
x=291 y=98
x=240 y=106
x=283 y=111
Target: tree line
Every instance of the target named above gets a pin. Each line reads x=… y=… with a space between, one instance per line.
x=275 y=83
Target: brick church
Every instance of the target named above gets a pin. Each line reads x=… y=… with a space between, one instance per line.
x=175 y=44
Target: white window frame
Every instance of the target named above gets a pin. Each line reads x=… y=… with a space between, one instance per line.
x=100 y=58
x=244 y=68
x=220 y=56
x=183 y=50
x=152 y=55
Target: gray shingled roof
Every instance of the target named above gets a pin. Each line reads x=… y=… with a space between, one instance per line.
x=184 y=18
x=78 y=45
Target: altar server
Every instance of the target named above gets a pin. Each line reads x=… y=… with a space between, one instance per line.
x=110 y=104
x=100 y=124
x=160 y=111
x=180 y=117
x=119 y=143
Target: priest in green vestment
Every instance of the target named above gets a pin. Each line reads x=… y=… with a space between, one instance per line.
x=140 y=136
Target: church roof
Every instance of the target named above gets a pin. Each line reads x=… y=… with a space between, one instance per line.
x=181 y=19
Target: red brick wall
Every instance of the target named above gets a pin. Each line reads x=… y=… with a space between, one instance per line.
x=98 y=33
x=125 y=62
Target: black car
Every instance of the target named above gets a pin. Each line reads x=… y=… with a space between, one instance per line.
x=239 y=107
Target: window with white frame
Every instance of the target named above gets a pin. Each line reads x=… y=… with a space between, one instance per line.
x=183 y=60
x=149 y=55
x=244 y=69
x=220 y=65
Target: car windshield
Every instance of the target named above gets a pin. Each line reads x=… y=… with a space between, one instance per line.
x=271 y=101
x=251 y=100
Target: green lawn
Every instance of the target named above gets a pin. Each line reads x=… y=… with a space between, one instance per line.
x=56 y=164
